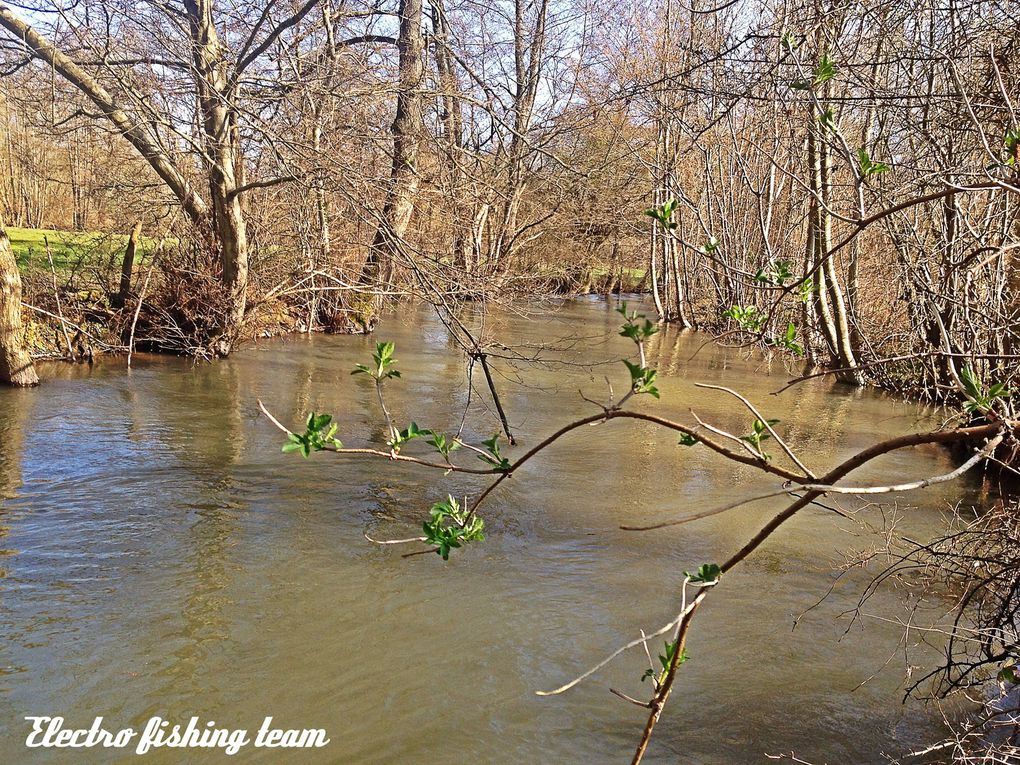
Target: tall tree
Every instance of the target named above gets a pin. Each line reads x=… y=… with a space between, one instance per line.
x=406 y=132
x=222 y=157
x=209 y=90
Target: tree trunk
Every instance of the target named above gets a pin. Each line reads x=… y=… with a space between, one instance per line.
x=406 y=131
x=528 y=63
x=661 y=246
x=15 y=363
x=452 y=118
x=220 y=140
x=127 y=267
x=222 y=220
x=831 y=304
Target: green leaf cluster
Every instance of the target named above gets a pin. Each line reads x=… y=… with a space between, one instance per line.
x=759 y=433
x=642 y=379
x=665 y=661
x=686 y=439
x=747 y=317
x=1011 y=143
x=664 y=214
x=492 y=456
x=1009 y=673
x=383 y=358
x=636 y=325
x=868 y=166
x=638 y=328
x=824 y=71
x=750 y=319
x=441 y=442
x=450 y=526
x=709 y=247
x=980 y=398
x=805 y=288
x=316 y=436
x=828 y=119
x=778 y=273
x=638 y=332
x=788 y=341
x=707 y=573
x=409 y=433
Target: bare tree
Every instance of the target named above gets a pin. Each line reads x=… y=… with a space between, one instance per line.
x=150 y=122
x=407 y=135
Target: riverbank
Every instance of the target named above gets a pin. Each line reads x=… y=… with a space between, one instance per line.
x=72 y=314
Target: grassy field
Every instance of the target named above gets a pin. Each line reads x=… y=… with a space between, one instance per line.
x=68 y=247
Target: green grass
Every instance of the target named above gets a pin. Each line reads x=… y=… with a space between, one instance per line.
x=70 y=248
x=67 y=247
x=637 y=274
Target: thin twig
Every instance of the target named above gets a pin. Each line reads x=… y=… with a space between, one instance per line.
x=56 y=296
x=822 y=489
x=764 y=421
x=138 y=308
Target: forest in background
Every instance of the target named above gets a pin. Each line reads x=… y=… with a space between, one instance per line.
x=838 y=178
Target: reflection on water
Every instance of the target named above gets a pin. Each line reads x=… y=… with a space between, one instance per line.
x=162 y=557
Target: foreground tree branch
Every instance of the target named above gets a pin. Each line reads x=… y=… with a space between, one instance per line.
x=453 y=524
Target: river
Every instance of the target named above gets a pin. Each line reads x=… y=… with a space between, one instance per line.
x=161 y=556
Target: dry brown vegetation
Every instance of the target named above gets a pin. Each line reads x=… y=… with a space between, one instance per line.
x=844 y=170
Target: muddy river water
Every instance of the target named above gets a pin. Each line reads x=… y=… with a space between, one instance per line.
x=161 y=556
